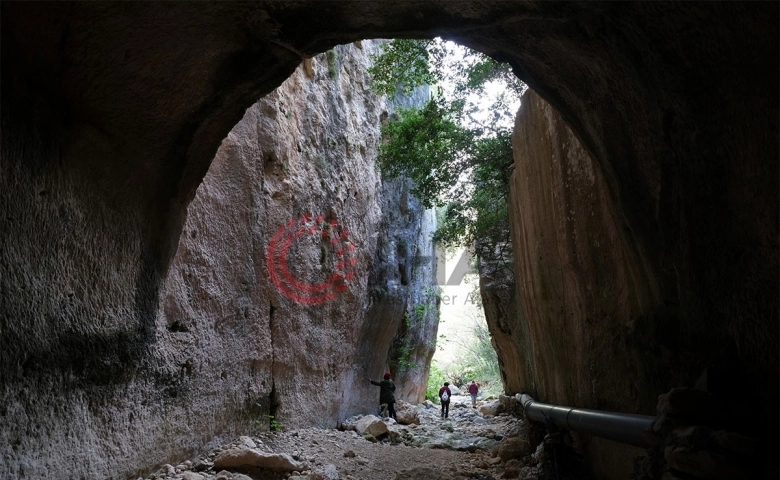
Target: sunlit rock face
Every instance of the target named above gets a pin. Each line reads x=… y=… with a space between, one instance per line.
x=293 y=198
x=112 y=113
x=269 y=284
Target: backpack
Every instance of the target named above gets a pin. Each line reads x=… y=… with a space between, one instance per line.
x=444 y=396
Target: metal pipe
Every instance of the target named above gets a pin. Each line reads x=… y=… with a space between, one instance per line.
x=620 y=427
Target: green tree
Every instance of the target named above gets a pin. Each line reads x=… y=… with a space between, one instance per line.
x=436 y=379
x=480 y=355
x=458 y=163
x=405 y=65
x=428 y=146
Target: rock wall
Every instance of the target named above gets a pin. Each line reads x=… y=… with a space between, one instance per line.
x=581 y=284
x=504 y=319
x=590 y=320
x=109 y=125
x=403 y=289
x=593 y=326
x=230 y=345
x=280 y=347
x=271 y=345
x=403 y=283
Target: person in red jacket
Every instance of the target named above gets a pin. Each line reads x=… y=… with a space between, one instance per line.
x=473 y=391
x=444 y=395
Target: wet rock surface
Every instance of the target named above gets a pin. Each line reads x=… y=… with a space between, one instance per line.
x=466 y=445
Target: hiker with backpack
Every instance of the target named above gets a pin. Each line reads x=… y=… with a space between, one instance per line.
x=386 y=394
x=444 y=395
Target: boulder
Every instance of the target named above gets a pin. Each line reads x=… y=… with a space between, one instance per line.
x=491 y=408
x=246 y=441
x=240 y=476
x=406 y=413
x=507 y=402
x=512 y=469
x=349 y=423
x=243 y=458
x=371 y=425
x=190 y=476
x=513 y=447
x=395 y=436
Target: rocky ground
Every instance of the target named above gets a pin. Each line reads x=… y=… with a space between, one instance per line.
x=485 y=443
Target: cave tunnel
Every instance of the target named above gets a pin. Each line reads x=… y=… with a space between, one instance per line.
x=112 y=114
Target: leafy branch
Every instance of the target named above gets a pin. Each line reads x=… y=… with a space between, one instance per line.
x=458 y=162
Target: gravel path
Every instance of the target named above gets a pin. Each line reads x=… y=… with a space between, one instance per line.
x=455 y=448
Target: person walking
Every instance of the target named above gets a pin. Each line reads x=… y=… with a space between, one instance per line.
x=386 y=394
x=444 y=396
x=473 y=391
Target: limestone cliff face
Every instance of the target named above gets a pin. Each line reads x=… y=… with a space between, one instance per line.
x=590 y=326
x=266 y=308
x=403 y=281
x=404 y=302
x=292 y=199
x=292 y=189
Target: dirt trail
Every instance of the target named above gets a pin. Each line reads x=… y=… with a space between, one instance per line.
x=346 y=455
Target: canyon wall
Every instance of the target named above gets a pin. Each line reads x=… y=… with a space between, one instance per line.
x=595 y=324
x=504 y=319
x=581 y=284
x=403 y=282
x=265 y=312
x=590 y=321
x=112 y=113
x=404 y=302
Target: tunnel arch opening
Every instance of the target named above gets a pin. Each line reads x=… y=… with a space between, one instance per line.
x=633 y=81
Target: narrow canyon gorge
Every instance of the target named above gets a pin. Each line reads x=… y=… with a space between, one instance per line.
x=197 y=241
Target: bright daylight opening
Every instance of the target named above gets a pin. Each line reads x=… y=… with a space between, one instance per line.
x=457 y=149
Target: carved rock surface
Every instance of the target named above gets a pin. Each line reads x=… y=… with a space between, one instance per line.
x=491 y=408
x=109 y=125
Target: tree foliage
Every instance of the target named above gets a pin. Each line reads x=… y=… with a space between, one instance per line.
x=436 y=379
x=406 y=64
x=403 y=64
x=428 y=146
x=458 y=162
x=476 y=359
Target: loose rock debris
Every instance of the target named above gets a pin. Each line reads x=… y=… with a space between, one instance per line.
x=487 y=443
